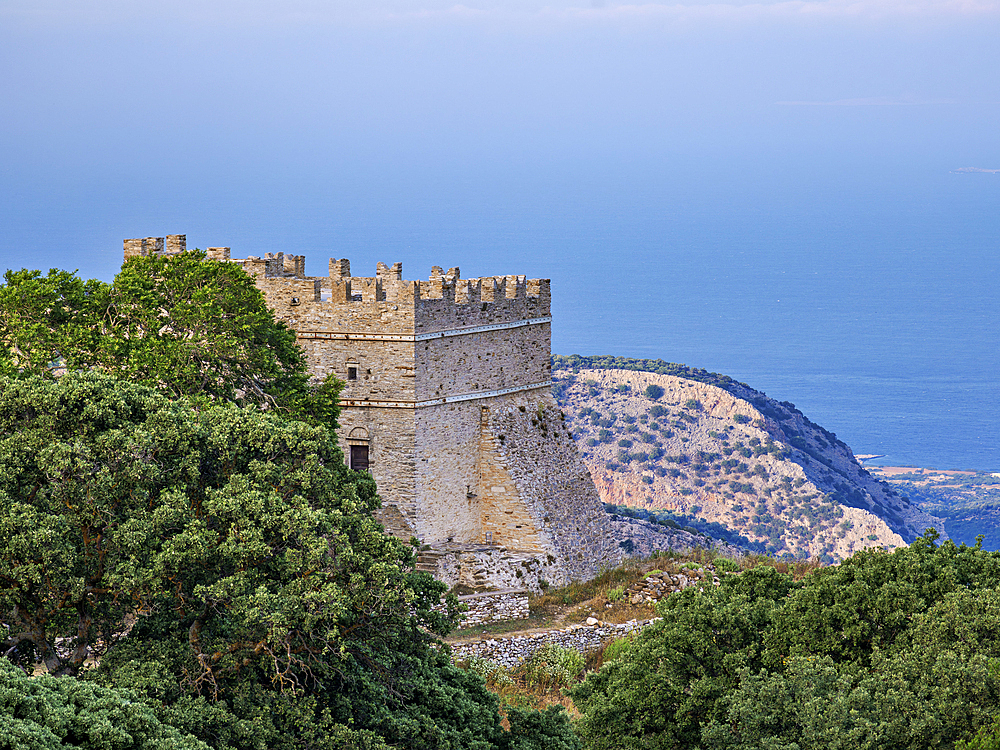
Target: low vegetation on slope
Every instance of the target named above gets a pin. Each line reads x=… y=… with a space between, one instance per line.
x=710 y=449
x=885 y=651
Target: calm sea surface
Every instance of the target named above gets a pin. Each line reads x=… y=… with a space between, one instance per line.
x=874 y=308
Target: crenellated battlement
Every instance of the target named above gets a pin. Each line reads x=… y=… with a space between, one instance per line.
x=445 y=300
x=169 y=245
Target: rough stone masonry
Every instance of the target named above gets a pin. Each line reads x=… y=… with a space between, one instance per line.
x=447 y=403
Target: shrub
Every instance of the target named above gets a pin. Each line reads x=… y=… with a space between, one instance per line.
x=741 y=418
x=551 y=666
x=616 y=649
x=53 y=713
x=726 y=565
x=495 y=675
x=653 y=392
x=624 y=443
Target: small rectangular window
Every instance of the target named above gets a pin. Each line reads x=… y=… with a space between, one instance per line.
x=359 y=457
x=352 y=373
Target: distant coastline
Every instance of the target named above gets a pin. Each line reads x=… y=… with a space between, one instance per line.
x=968 y=501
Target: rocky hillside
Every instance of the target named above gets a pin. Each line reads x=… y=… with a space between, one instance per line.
x=705 y=446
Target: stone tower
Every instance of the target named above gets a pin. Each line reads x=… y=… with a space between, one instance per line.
x=447 y=403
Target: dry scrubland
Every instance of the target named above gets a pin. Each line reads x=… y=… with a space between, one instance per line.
x=626 y=593
x=735 y=457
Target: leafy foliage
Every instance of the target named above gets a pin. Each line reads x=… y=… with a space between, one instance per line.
x=653 y=392
x=224 y=566
x=883 y=651
x=46 y=713
x=541 y=730
x=183 y=324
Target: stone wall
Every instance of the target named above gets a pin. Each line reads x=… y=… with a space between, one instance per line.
x=537 y=450
x=391 y=437
x=490 y=567
x=483 y=361
x=512 y=650
x=447 y=472
x=494 y=606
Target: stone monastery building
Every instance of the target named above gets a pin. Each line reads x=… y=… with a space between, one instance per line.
x=447 y=403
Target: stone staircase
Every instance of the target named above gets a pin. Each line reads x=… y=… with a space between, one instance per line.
x=473 y=576
x=428 y=559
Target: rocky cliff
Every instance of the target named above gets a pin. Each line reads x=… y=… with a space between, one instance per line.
x=706 y=446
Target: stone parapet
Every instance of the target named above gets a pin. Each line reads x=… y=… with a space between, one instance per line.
x=512 y=650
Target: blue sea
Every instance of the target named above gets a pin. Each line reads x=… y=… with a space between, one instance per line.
x=877 y=314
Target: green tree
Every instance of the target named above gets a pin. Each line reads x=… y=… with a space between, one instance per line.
x=184 y=324
x=46 y=321
x=677 y=673
x=225 y=566
x=814 y=705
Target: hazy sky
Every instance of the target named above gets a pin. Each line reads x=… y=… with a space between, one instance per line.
x=292 y=125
